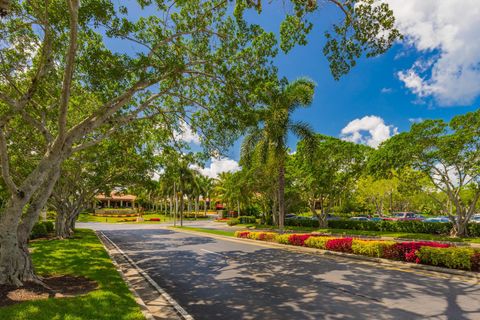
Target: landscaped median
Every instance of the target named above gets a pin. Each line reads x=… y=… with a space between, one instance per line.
x=420 y=252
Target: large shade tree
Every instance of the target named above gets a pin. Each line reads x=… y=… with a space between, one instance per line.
x=448 y=154
x=330 y=173
x=63 y=85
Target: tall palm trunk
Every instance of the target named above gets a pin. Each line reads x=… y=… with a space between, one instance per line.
x=281 y=197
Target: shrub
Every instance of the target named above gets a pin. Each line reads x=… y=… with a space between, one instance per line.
x=39 y=230
x=453 y=257
x=371 y=248
x=340 y=244
x=247 y=219
x=49 y=226
x=282 y=238
x=298 y=239
x=242 y=234
x=406 y=251
x=254 y=235
x=267 y=236
x=307 y=223
x=317 y=242
x=233 y=222
x=475 y=261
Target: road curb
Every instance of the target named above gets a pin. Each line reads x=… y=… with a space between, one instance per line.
x=137 y=298
x=378 y=261
x=179 y=309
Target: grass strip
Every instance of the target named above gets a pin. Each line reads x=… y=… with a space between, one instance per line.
x=211 y=231
x=82 y=255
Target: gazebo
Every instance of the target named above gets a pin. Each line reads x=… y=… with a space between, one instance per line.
x=115 y=200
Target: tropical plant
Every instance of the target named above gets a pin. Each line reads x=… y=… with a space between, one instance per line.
x=269 y=138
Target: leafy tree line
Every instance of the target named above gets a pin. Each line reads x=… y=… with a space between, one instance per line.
x=432 y=169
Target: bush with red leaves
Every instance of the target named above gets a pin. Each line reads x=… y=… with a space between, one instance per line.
x=475 y=259
x=406 y=251
x=340 y=245
x=298 y=239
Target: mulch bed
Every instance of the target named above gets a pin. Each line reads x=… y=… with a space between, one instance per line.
x=61 y=287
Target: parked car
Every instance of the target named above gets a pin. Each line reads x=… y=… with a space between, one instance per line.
x=291 y=216
x=406 y=216
x=475 y=219
x=359 y=219
x=437 y=219
x=329 y=217
x=376 y=219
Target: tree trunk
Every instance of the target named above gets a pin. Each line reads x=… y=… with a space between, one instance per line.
x=197 y=206
x=15 y=262
x=281 y=197
x=182 y=204
x=275 y=211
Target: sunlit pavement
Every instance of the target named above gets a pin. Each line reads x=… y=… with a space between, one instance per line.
x=220 y=279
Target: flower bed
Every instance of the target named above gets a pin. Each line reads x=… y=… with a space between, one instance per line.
x=424 y=252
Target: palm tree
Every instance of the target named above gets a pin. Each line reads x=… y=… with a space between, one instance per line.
x=206 y=187
x=269 y=137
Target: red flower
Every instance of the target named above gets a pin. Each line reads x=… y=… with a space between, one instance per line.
x=298 y=239
x=341 y=245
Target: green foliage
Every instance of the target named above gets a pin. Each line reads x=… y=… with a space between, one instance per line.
x=82 y=256
x=317 y=242
x=370 y=248
x=39 y=230
x=365 y=28
x=233 y=222
x=282 y=238
x=397 y=226
x=309 y=223
x=453 y=257
x=447 y=153
x=247 y=219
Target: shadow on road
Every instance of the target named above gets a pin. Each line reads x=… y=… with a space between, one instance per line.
x=239 y=281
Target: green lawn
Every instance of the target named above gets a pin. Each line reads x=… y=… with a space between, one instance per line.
x=413 y=236
x=82 y=256
x=212 y=231
x=85 y=217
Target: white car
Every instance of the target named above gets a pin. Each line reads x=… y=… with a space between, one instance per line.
x=475 y=219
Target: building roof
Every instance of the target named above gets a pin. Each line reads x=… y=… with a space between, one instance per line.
x=116 y=196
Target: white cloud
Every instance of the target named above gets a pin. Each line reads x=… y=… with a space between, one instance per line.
x=415 y=120
x=369 y=130
x=386 y=90
x=186 y=134
x=449 y=30
x=219 y=165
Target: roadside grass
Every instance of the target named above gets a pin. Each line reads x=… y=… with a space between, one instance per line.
x=212 y=231
x=404 y=235
x=83 y=255
x=85 y=217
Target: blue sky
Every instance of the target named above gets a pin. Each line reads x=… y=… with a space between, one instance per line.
x=371 y=88
x=432 y=74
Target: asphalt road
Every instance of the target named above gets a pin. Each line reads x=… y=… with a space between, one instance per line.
x=221 y=279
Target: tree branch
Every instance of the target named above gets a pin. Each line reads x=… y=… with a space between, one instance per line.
x=69 y=68
x=7 y=177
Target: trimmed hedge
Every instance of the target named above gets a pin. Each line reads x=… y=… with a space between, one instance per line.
x=425 y=252
x=453 y=257
x=340 y=245
x=390 y=226
x=41 y=229
x=298 y=239
x=371 y=248
x=318 y=242
x=308 y=223
x=247 y=219
x=233 y=222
